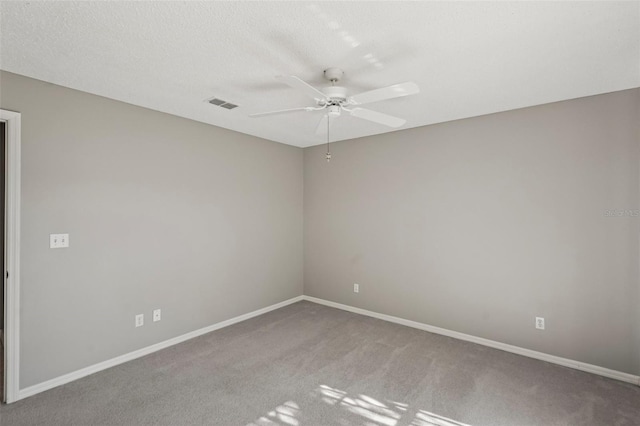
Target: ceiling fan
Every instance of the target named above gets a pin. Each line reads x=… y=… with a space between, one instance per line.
x=334 y=100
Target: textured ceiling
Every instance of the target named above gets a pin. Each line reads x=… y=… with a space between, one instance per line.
x=469 y=59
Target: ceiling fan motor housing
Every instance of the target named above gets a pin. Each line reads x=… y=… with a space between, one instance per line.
x=336 y=94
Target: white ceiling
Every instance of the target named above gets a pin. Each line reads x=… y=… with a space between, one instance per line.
x=469 y=59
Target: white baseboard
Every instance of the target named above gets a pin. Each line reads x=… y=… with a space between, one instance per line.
x=589 y=368
x=75 y=375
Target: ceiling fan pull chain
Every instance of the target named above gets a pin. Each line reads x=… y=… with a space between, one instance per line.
x=328 y=151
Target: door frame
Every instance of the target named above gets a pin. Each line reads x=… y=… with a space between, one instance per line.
x=11 y=274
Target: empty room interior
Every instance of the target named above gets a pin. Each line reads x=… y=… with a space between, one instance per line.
x=320 y=213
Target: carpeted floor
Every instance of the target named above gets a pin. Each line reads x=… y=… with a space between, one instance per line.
x=308 y=364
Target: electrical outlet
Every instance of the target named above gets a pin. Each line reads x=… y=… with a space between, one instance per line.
x=356 y=288
x=139 y=320
x=540 y=323
x=156 y=315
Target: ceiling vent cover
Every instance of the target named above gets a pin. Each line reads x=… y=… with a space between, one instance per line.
x=222 y=103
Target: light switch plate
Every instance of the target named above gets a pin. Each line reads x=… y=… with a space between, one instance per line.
x=58 y=240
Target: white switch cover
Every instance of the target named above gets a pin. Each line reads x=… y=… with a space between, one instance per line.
x=58 y=240
x=139 y=320
x=156 y=315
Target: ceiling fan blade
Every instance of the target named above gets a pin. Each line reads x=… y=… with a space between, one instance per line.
x=296 y=83
x=321 y=128
x=378 y=117
x=282 y=111
x=395 y=91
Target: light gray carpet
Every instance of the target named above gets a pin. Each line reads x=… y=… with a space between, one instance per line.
x=308 y=364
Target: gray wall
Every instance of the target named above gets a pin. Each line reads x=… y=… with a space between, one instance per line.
x=479 y=225
x=162 y=212
x=476 y=225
